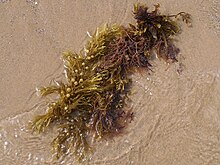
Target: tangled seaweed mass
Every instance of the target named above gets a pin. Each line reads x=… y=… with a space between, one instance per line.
x=93 y=99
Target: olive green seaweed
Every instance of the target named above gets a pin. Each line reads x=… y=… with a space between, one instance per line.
x=93 y=99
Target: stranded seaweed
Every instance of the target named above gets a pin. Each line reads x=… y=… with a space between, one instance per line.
x=93 y=98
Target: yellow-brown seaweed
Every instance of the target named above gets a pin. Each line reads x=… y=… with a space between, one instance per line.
x=93 y=99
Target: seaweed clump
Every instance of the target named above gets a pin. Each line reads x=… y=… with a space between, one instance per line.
x=93 y=98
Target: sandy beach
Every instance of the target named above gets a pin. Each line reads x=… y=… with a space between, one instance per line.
x=176 y=116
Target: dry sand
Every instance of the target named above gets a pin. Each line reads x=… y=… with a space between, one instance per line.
x=177 y=117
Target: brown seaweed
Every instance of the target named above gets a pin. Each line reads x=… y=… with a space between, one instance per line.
x=94 y=97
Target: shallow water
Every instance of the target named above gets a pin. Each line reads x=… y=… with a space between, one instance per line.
x=177 y=116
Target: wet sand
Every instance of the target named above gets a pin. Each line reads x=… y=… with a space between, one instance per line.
x=177 y=117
